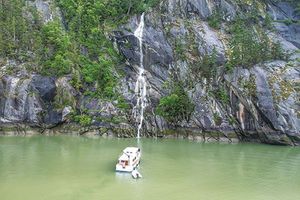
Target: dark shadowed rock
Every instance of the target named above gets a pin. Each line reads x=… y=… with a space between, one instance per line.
x=259 y=103
x=199 y=7
x=157 y=49
x=283 y=13
x=53 y=117
x=128 y=46
x=2 y=96
x=45 y=86
x=282 y=10
x=290 y=32
x=264 y=97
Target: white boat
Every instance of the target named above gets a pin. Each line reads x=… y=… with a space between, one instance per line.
x=135 y=174
x=129 y=159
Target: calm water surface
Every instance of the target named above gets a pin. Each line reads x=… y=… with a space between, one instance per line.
x=65 y=168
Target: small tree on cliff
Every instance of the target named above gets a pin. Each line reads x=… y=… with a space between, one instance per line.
x=176 y=107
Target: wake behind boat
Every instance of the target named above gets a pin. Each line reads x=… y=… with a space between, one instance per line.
x=129 y=159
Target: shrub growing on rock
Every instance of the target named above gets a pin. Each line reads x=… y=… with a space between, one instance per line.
x=83 y=120
x=176 y=107
x=215 y=20
x=249 y=45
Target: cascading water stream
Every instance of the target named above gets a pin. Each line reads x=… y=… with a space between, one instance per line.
x=141 y=85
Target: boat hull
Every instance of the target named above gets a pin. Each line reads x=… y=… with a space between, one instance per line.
x=120 y=168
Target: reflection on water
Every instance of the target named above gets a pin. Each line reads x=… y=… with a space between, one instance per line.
x=83 y=168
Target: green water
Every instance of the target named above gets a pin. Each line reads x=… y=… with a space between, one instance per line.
x=65 y=168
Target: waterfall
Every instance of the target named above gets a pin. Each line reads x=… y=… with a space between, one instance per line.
x=141 y=85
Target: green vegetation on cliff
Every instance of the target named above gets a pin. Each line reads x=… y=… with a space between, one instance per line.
x=19 y=32
x=80 y=45
x=88 y=24
x=177 y=106
x=58 y=55
x=249 y=43
x=205 y=66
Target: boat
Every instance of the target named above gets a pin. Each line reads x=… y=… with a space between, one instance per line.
x=129 y=160
x=136 y=174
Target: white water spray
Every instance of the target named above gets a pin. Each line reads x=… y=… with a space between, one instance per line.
x=141 y=85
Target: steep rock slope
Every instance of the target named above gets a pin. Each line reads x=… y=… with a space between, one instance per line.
x=264 y=99
x=257 y=103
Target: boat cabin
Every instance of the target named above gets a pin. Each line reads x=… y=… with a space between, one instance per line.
x=129 y=159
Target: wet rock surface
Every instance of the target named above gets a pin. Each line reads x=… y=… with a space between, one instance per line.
x=263 y=101
x=283 y=14
x=254 y=103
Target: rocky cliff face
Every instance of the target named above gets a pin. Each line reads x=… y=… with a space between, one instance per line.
x=262 y=102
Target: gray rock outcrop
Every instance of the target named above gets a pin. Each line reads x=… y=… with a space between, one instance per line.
x=261 y=105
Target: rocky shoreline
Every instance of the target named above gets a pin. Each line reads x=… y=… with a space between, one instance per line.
x=258 y=103
x=122 y=132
